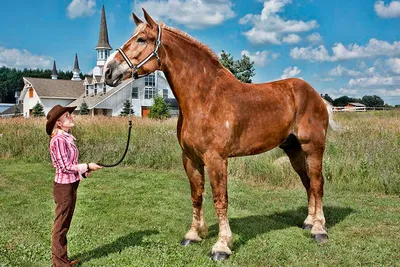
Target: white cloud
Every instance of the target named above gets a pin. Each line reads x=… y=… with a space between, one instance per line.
x=195 y=14
x=376 y=80
x=268 y=27
x=391 y=10
x=16 y=58
x=353 y=51
x=290 y=72
x=311 y=54
x=314 y=38
x=386 y=92
x=291 y=39
x=275 y=55
x=346 y=91
x=81 y=8
x=342 y=71
x=260 y=58
x=328 y=79
x=394 y=65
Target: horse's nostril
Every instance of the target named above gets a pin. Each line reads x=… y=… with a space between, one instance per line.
x=108 y=73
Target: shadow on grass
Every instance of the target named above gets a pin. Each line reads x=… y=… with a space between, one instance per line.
x=129 y=240
x=252 y=226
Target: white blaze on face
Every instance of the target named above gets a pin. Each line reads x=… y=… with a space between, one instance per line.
x=227 y=124
x=109 y=59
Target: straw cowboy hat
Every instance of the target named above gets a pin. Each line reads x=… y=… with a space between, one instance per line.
x=54 y=114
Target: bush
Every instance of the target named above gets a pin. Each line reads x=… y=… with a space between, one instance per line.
x=160 y=109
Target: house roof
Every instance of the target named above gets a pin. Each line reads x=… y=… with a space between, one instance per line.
x=357 y=104
x=11 y=110
x=48 y=88
x=93 y=101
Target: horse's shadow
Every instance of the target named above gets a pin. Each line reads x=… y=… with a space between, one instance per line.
x=129 y=240
x=250 y=227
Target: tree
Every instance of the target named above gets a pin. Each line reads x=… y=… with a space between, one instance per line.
x=126 y=107
x=17 y=112
x=160 y=109
x=341 y=101
x=242 y=69
x=372 y=101
x=327 y=98
x=83 y=109
x=38 y=110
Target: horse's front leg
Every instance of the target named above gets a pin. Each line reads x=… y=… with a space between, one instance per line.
x=217 y=172
x=195 y=173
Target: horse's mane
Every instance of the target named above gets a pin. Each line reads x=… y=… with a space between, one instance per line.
x=191 y=40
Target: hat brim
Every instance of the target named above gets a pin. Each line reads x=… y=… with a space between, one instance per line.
x=54 y=117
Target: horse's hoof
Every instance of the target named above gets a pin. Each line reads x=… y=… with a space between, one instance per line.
x=219 y=256
x=320 y=238
x=187 y=242
x=307 y=226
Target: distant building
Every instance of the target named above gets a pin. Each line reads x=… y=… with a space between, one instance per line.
x=356 y=106
x=100 y=98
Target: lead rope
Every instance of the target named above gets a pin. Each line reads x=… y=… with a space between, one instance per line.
x=129 y=136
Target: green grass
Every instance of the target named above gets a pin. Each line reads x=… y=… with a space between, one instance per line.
x=136 y=217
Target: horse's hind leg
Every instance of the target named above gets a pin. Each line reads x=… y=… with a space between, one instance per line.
x=314 y=153
x=195 y=173
x=297 y=157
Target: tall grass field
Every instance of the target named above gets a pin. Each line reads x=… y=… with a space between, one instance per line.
x=363 y=156
x=136 y=214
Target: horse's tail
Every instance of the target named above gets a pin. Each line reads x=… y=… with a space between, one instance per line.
x=332 y=124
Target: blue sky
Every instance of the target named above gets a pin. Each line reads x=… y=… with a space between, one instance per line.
x=340 y=47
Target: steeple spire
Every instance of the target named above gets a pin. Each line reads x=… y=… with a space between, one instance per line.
x=54 y=73
x=76 y=64
x=103 y=35
x=76 y=70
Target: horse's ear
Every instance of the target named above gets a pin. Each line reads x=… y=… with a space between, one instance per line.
x=149 y=20
x=136 y=19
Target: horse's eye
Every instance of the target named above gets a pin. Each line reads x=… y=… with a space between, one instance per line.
x=140 y=40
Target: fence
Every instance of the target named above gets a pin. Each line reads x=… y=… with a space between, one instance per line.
x=359 y=109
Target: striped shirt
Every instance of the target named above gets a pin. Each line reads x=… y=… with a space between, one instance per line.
x=64 y=155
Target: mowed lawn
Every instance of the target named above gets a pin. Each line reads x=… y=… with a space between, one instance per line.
x=137 y=217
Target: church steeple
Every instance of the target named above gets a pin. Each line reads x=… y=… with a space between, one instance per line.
x=103 y=47
x=103 y=35
x=54 y=73
x=76 y=70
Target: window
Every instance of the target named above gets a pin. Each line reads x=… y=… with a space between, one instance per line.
x=104 y=88
x=30 y=92
x=149 y=92
x=150 y=80
x=87 y=90
x=135 y=92
x=165 y=93
x=95 y=89
x=102 y=54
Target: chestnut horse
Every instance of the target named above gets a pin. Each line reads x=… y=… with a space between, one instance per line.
x=221 y=117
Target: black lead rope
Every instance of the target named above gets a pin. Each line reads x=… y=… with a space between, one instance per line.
x=126 y=150
x=129 y=136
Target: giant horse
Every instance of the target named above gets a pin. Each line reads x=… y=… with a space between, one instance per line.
x=221 y=117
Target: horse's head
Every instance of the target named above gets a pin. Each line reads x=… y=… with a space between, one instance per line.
x=138 y=56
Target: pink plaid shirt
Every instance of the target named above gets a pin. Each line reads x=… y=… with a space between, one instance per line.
x=64 y=155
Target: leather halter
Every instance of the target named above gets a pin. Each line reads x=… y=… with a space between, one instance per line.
x=144 y=61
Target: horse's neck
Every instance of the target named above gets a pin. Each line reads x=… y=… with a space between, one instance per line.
x=190 y=70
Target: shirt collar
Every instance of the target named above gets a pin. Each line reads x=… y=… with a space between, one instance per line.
x=70 y=137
